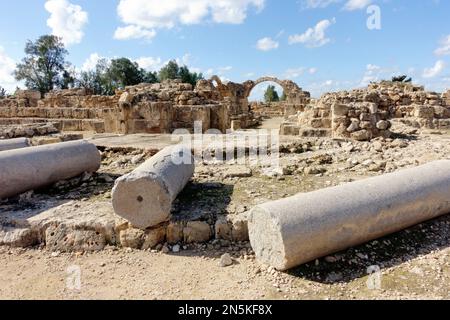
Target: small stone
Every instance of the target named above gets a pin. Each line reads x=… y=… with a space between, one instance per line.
x=383 y=125
x=176 y=248
x=137 y=159
x=165 y=250
x=377 y=146
x=225 y=261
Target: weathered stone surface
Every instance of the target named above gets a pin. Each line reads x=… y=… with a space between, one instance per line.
x=154 y=236
x=11 y=144
x=84 y=227
x=144 y=197
x=370 y=110
x=296 y=230
x=132 y=238
x=225 y=260
x=62 y=238
x=174 y=232
x=361 y=135
x=35 y=167
x=223 y=228
x=197 y=232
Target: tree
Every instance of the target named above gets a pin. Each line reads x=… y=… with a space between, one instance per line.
x=403 y=78
x=173 y=71
x=283 y=96
x=169 y=71
x=116 y=74
x=2 y=93
x=44 y=67
x=271 y=95
x=189 y=77
x=150 y=77
x=97 y=80
x=123 y=72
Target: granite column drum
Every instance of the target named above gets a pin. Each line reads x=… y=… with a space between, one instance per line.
x=144 y=197
x=299 y=229
x=31 y=168
x=11 y=144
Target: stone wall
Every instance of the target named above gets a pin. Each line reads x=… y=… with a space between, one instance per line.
x=363 y=114
x=145 y=108
x=272 y=109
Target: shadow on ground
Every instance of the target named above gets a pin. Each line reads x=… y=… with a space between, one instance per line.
x=202 y=201
x=35 y=202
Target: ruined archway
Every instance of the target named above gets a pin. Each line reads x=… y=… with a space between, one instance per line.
x=294 y=94
x=250 y=85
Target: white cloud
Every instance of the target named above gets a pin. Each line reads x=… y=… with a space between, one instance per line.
x=267 y=44
x=444 y=49
x=225 y=69
x=372 y=74
x=294 y=73
x=143 y=17
x=314 y=37
x=66 y=20
x=435 y=70
x=313 y=4
x=7 y=67
x=150 y=63
x=352 y=5
x=91 y=62
x=133 y=32
x=219 y=71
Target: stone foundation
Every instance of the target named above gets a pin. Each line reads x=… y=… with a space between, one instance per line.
x=66 y=228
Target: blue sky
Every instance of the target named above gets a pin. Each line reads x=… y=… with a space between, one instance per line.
x=323 y=45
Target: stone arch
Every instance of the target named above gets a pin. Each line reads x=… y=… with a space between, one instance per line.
x=250 y=85
x=294 y=94
x=223 y=89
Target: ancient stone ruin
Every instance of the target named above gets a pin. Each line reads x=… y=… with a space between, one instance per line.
x=367 y=113
x=145 y=108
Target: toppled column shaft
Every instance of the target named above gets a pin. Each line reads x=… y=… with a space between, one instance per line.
x=144 y=197
x=299 y=229
x=27 y=169
x=11 y=144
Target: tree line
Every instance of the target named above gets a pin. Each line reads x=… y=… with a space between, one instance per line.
x=45 y=68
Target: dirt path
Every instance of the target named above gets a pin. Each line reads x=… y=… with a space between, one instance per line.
x=413 y=273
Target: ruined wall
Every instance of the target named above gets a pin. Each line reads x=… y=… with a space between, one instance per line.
x=363 y=114
x=145 y=108
x=272 y=109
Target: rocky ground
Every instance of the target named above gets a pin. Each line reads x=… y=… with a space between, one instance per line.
x=412 y=264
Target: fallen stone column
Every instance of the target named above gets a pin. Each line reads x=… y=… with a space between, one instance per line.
x=11 y=144
x=299 y=229
x=144 y=197
x=31 y=168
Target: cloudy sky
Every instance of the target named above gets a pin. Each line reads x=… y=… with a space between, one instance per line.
x=323 y=45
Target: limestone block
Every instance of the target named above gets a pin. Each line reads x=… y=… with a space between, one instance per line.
x=197 y=232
